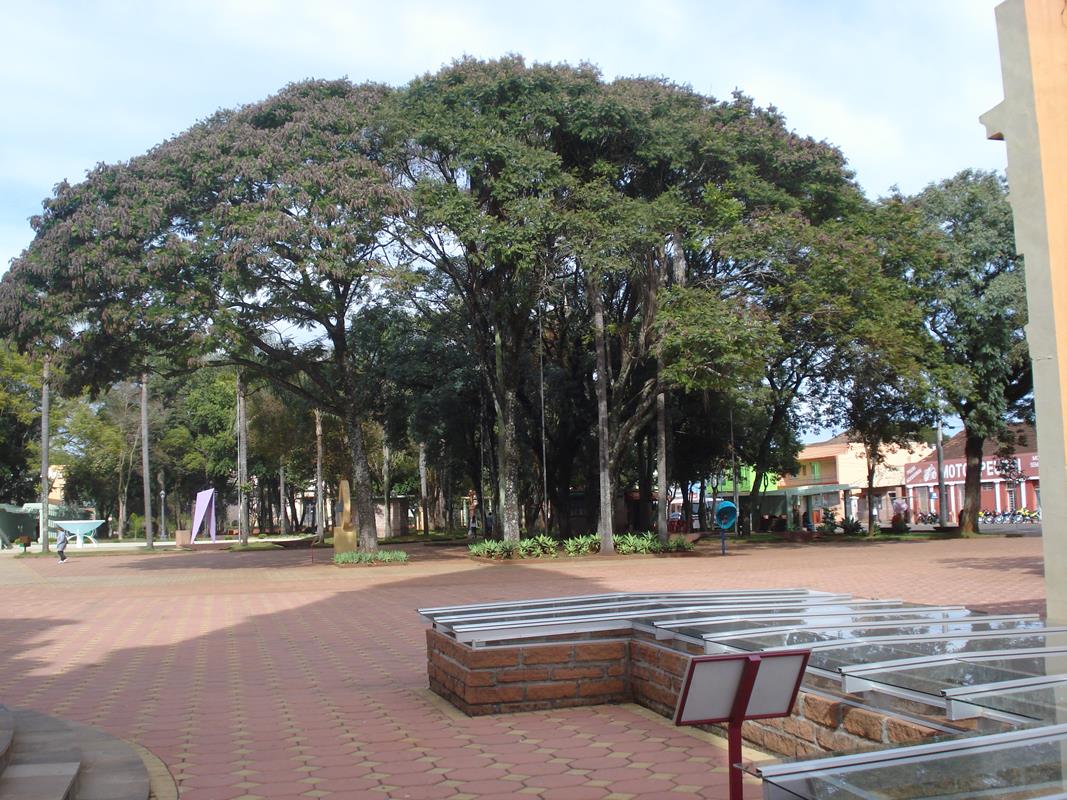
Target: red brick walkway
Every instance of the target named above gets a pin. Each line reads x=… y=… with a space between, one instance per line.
x=262 y=675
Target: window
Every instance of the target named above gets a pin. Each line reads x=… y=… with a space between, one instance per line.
x=815 y=470
x=1011 y=497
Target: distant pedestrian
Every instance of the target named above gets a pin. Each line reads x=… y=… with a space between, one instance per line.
x=61 y=545
x=489 y=524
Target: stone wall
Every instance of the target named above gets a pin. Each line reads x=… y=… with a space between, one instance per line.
x=625 y=668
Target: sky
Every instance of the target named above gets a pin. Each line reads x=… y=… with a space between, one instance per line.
x=898 y=86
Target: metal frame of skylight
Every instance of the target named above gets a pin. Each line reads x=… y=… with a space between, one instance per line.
x=853 y=680
x=960 y=705
x=650 y=606
x=527 y=627
x=817 y=768
x=429 y=614
x=918 y=620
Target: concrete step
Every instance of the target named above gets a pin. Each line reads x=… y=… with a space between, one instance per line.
x=46 y=751
x=47 y=781
x=7 y=734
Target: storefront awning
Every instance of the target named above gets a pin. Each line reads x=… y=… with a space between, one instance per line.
x=804 y=491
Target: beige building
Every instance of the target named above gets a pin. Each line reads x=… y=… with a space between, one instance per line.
x=833 y=475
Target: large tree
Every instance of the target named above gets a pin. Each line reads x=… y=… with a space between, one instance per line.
x=19 y=388
x=976 y=312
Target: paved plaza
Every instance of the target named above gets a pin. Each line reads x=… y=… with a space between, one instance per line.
x=265 y=675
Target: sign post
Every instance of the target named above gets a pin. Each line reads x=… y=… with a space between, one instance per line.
x=733 y=688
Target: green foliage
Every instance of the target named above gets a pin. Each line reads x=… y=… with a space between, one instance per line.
x=19 y=426
x=540 y=546
x=899 y=524
x=494 y=548
x=976 y=311
x=851 y=526
x=377 y=557
x=636 y=543
x=829 y=521
x=582 y=545
x=678 y=544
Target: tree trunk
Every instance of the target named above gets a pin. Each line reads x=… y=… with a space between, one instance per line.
x=663 y=511
x=386 y=490
x=146 y=472
x=282 y=516
x=872 y=526
x=242 y=464
x=972 y=484
x=424 y=489
x=122 y=516
x=46 y=409
x=506 y=516
x=605 y=523
x=320 y=505
x=702 y=511
x=362 y=497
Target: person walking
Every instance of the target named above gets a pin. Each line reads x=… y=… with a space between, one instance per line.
x=61 y=545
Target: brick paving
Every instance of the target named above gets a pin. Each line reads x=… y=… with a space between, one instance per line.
x=264 y=675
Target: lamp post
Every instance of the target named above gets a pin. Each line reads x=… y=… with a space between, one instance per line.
x=162 y=514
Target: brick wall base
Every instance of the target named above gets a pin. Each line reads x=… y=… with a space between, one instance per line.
x=620 y=667
x=529 y=677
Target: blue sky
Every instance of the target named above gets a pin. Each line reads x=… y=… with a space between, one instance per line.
x=898 y=86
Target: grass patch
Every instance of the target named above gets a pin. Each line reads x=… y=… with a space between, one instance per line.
x=377 y=557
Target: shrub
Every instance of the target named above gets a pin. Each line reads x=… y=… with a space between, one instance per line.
x=540 y=546
x=582 y=545
x=829 y=521
x=632 y=543
x=379 y=557
x=851 y=525
x=678 y=544
x=493 y=548
x=899 y=524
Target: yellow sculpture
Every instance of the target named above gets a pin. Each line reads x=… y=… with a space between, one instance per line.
x=345 y=538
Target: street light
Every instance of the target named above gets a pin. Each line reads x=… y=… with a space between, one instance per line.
x=162 y=514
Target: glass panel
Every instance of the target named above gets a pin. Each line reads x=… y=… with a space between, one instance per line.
x=1044 y=704
x=802 y=637
x=1007 y=772
x=951 y=674
x=810 y=617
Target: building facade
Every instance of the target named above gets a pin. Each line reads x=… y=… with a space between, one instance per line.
x=1006 y=486
x=833 y=475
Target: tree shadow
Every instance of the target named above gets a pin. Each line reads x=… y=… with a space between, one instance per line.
x=1028 y=565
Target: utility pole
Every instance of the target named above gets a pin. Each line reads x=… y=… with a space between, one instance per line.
x=320 y=505
x=242 y=463
x=941 y=507
x=147 y=483
x=45 y=486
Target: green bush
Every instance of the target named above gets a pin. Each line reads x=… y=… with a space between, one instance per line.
x=851 y=525
x=829 y=521
x=635 y=543
x=678 y=544
x=582 y=545
x=379 y=557
x=135 y=528
x=493 y=548
x=540 y=546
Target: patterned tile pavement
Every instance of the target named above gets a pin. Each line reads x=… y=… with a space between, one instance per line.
x=264 y=675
